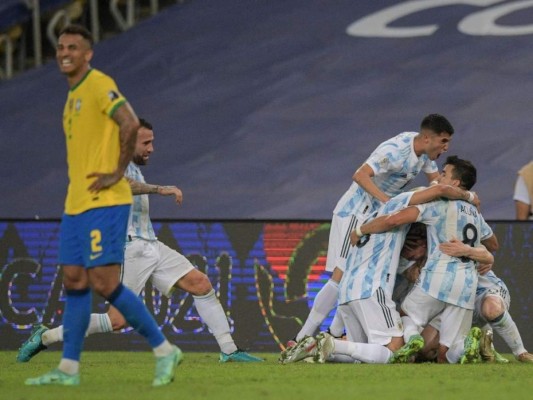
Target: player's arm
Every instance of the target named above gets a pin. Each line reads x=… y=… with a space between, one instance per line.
x=128 y=124
x=447 y=191
x=147 y=188
x=432 y=177
x=491 y=243
x=456 y=248
x=363 y=177
x=385 y=223
x=522 y=210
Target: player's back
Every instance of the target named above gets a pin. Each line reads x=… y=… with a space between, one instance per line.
x=394 y=164
x=447 y=278
x=373 y=262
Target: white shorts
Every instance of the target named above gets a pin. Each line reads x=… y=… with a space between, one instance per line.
x=372 y=320
x=501 y=293
x=153 y=260
x=452 y=322
x=339 y=241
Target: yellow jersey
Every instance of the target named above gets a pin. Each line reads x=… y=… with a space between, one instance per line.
x=93 y=142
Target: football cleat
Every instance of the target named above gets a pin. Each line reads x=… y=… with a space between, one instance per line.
x=238 y=356
x=306 y=347
x=486 y=349
x=325 y=346
x=33 y=345
x=525 y=357
x=165 y=367
x=471 y=347
x=404 y=353
x=54 y=377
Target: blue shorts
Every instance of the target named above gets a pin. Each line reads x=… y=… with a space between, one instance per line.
x=95 y=237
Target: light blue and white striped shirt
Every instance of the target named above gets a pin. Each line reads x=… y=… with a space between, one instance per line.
x=450 y=279
x=139 y=223
x=395 y=164
x=374 y=263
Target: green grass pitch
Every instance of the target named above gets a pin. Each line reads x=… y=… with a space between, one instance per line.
x=128 y=375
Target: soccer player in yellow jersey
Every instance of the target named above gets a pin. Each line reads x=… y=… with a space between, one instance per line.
x=100 y=131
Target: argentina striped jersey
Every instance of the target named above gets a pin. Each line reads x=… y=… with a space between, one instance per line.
x=139 y=223
x=374 y=263
x=450 y=279
x=395 y=164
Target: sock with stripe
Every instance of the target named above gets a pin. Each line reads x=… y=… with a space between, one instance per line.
x=98 y=323
x=507 y=329
x=138 y=317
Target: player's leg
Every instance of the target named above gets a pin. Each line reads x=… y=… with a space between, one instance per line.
x=494 y=309
x=458 y=342
x=430 y=333
x=72 y=255
x=418 y=308
x=104 y=277
x=381 y=323
x=326 y=298
x=175 y=271
x=140 y=264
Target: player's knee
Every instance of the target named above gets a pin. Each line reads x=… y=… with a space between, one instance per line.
x=196 y=283
x=492 y=308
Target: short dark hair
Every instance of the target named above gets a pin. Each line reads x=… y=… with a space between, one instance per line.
x=463 y=170
x=437 y=123
x=145 y=124
x=75 y=29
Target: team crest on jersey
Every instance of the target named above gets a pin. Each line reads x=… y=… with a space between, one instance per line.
x=78 y=105
x=113 y=95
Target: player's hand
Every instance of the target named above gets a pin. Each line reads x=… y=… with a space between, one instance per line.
x=171 y=191
x=414 y=249
x=454 y=248
x=354 y=238
x=103 y=181
x=412 y=273
x=482 y=269
x=476 y=201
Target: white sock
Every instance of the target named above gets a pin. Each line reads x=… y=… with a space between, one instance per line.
x=99 y=323
x=68 y=366
x=325 y=301
x=454 y=353
x=336 y=329
x=343 y=359
x=52 y=336
x=409 y=328
x=212 y=313
x=507 y=329
x=164 y=349
x=365 y=352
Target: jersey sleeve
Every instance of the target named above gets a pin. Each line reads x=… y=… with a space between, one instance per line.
x=429 y=213
x=109 y=98
x=130 y=171
x=385 y=158
x=430 y=166
x=486 y=230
